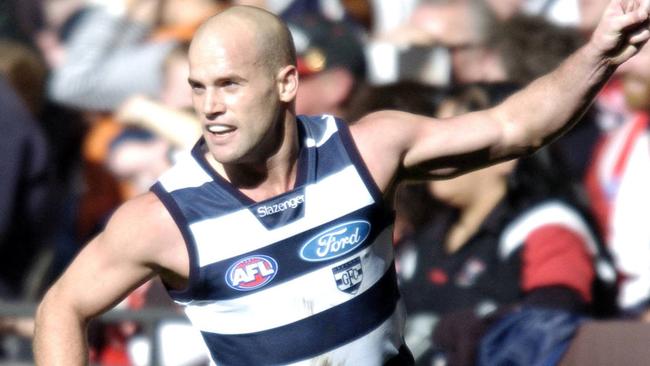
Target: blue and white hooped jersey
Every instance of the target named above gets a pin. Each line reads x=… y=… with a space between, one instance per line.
x=306 y=277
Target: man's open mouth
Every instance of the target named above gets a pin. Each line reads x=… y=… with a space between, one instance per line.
x=220 y=129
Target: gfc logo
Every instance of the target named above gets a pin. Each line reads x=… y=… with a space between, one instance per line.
x=336 y=241
x=251 y=272
x=348 y=276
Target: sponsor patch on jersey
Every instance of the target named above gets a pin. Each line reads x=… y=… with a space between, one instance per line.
x=251 y=272
x=348 y=276
x=336 y=241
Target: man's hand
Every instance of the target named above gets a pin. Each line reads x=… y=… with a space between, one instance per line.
x=622 y=30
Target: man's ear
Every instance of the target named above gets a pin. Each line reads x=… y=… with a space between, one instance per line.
x=287 y=80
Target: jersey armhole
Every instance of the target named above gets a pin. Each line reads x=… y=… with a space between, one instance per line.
x=181 y=222
x=355 y=156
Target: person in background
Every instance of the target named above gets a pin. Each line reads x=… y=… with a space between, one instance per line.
x=117 y=49
x=617 y=182
x=26 y=209
x=170 y=116
x=498 y=251
x=331 y=64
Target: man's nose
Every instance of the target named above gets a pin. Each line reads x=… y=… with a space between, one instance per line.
x=212 y=104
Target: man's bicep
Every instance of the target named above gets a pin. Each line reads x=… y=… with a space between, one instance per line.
x=99 y=278
x=451 y=146
x=105 y=270
x=408 y=146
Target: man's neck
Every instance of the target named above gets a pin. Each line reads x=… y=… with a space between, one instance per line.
x=271 y=177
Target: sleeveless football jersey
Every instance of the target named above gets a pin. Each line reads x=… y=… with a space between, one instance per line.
x=306 y=277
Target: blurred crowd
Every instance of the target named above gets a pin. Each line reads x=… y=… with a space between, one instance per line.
x=501 y=264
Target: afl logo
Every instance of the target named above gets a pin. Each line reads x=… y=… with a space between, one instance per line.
x=336 y=241
x=251 y=272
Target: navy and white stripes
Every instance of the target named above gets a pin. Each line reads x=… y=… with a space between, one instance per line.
x=305 y=276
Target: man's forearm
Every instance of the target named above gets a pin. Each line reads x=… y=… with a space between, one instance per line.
x=59 y=337
x=553 y=103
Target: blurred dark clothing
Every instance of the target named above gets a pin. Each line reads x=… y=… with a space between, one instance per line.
x=529 y=336
x=25 y=196
x=19 y=19
x=536 y=248
x=575 y=149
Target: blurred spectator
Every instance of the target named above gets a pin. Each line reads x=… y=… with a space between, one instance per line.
x=118 y=64
x=618 y=176
x=26 y=204
x=19 y=19
x=413 y=96
x=331 y=64
x=473 y=33
x=25 y=190
x=525 y=48
x=350 y=11
x=484 y=49
x=559 y=12
x=25 y=71
x=151 y=131
x=110 y=56
x=619 y=187
x=171 y=116
x=137 y=157
x=518 y=49
x=388 y=15
x=528 y=47
x=503 y=256
x=28 y=174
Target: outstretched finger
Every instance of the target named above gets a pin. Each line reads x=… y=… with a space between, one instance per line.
x=640 y=36
x=625 y=54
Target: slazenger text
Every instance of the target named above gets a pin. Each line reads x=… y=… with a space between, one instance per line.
x=282 y=206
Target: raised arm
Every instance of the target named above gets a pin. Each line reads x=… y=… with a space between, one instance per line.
x=140 y=240
x=416 y=146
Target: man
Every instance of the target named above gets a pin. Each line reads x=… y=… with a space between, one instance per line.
x=284 y=217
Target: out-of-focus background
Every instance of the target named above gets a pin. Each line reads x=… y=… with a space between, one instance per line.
x=543 y=260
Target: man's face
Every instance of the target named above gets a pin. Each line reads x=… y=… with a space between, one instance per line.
x=236 y=97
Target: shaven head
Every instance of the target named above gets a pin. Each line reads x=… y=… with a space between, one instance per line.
x=269 y=36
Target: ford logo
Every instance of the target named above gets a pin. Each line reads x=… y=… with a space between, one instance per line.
x=251 y=272
x=335 y=242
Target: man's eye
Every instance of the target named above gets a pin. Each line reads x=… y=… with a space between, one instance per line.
x=196 y=87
